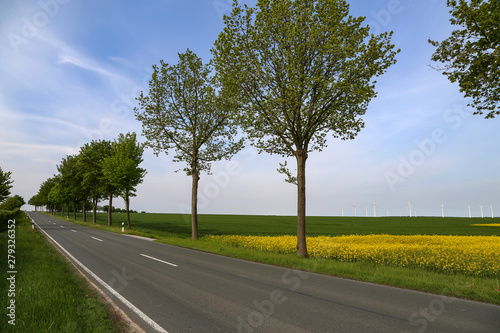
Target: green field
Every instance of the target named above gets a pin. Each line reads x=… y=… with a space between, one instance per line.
x=180 y=225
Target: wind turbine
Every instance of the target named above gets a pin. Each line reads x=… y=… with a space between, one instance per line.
x=482 y=216
x=366 y=211
x=470 y=216
x=374 y=209
x=409 y=207
x=442 y=210
x=342 y=210
x=387 y=212
x=356 y=205
x=491 y=207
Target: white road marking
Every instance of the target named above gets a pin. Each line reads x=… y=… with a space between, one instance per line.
x=100 y=240
x=131 y=306
x=61 y=226
x=73 y=230
x=165 y=262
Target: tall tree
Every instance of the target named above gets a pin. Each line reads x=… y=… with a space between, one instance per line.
x=5 y=184
x=122 y=168
x=300 y=69
x=89 y=165
x=471 y=55
x=44 y=191
x=185 y=111
x=71 y=180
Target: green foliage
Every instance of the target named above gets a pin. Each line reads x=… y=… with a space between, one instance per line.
x=299 y=69
x=5 y=184
x=12 y=203
x=471 y=55
x=121 y=169
x=185 y=112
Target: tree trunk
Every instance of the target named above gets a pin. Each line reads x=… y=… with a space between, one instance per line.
x=127 y=205
x=194 y=203
x=74 y=211
x=301 y=204
x=109 y=209
x=84 y=210
x=94 y=208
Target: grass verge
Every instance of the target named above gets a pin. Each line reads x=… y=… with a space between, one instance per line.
x=50 y=295
x=457 y=285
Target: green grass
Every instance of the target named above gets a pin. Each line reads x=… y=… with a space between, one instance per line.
x=51 y=296
x=175 y=229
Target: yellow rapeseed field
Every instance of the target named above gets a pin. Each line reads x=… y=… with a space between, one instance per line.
x=472 y=255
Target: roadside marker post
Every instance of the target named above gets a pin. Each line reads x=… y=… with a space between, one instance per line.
x=123 y=226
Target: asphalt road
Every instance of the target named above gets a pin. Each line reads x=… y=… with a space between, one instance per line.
x=170 y=289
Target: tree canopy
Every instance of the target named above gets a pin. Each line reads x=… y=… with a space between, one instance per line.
x=471 y=55
x=300 y=70
x=5 y=184
x=186 y=111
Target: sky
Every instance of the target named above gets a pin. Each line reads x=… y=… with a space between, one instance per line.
x=70 y=71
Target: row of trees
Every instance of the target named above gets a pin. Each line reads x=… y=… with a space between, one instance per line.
x=102 y=170
x=9 y=205
x=288 y=73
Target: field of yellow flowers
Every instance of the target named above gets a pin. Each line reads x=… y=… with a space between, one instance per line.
x=471 y=255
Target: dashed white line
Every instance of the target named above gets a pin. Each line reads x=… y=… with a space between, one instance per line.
x=100 y=240
x=73 y=230
x=165 y=262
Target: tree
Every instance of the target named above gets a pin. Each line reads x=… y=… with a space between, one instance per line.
x=5 y=184
x=57 y=194
x=122 y=168
x=300 y=69
x=71 y=181
x=44 y=191
x=471 y=55
x=12 y=203
x=185 y=111
x=94 y=183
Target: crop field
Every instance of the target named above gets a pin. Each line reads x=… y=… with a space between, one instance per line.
x=470 y=255
x=179 y=225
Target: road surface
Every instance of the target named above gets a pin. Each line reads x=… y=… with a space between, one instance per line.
x=165 y=288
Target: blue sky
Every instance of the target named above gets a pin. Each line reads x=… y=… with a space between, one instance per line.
x=70 y=70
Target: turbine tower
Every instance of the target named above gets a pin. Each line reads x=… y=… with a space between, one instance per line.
x=366 y=211
x=470 y=216
x=409 y=207
x=374 y=209
x=442 y=210
x=482 y=216
x=342 y=210
x=356 y=205
x=491 y=207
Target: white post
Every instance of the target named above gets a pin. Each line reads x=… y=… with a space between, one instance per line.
x=123 y=226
